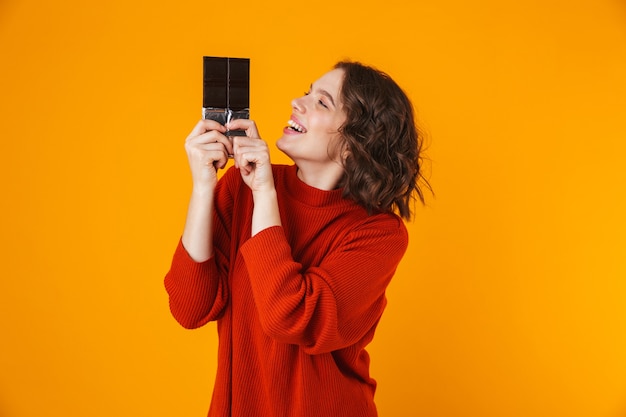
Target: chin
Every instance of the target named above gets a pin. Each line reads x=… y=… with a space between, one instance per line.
x=282 y=145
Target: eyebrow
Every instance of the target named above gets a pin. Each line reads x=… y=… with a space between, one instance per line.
x=325 y=93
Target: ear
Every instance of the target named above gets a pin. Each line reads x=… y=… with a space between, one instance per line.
x=344 y=150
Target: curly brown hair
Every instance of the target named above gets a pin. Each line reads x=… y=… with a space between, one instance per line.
x=381 y=142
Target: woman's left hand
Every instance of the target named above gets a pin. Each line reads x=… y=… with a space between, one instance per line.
x=252 y=157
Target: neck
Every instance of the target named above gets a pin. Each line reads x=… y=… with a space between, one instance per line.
x=323 y=178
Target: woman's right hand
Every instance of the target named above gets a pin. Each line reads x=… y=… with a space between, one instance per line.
x=207 y=150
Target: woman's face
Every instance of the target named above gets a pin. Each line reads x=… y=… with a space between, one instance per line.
x=312 y=131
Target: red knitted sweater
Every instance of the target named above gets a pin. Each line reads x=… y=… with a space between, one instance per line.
x=295 y=305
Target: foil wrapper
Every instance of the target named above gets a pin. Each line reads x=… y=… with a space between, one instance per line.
x=225 y=115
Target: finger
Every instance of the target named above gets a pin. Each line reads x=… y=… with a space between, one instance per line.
x=205 y=125
x=225 y=141
x=212 y=137
x=220 y=161
x=215 y=158
x=244 y=158
x=246 y=144
x=244 y=124
x=218 y=156
x=249 y=157
x=240 y=141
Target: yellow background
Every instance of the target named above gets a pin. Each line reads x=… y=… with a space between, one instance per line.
x=511 y=301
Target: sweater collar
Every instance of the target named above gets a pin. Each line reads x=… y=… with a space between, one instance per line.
x=312 y=196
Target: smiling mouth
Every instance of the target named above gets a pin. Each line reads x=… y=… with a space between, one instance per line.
x=295 y=126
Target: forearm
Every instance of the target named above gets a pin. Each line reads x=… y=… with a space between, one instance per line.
x=265 y=213
x=198 y=233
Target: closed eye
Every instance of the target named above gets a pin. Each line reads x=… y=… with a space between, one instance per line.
x=321 y=102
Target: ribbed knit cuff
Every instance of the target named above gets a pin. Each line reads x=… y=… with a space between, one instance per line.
x=266 y=244
x=184 y=265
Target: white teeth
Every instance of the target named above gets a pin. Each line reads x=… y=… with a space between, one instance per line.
x=296 y=126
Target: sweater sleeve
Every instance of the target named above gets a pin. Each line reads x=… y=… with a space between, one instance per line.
x=198 y=292
x=331 y=305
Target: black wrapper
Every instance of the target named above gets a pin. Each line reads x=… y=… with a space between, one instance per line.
x=226 y=90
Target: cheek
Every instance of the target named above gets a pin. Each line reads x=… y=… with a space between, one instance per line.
x=339 y=121
x=336 y=147
x=330 y=124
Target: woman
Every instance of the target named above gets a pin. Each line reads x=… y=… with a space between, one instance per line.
x=293 y=261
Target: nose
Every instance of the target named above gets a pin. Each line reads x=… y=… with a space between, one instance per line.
x=297 y=104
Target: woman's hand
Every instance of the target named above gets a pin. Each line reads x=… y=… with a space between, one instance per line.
x=252 y=156
x=207 y=150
